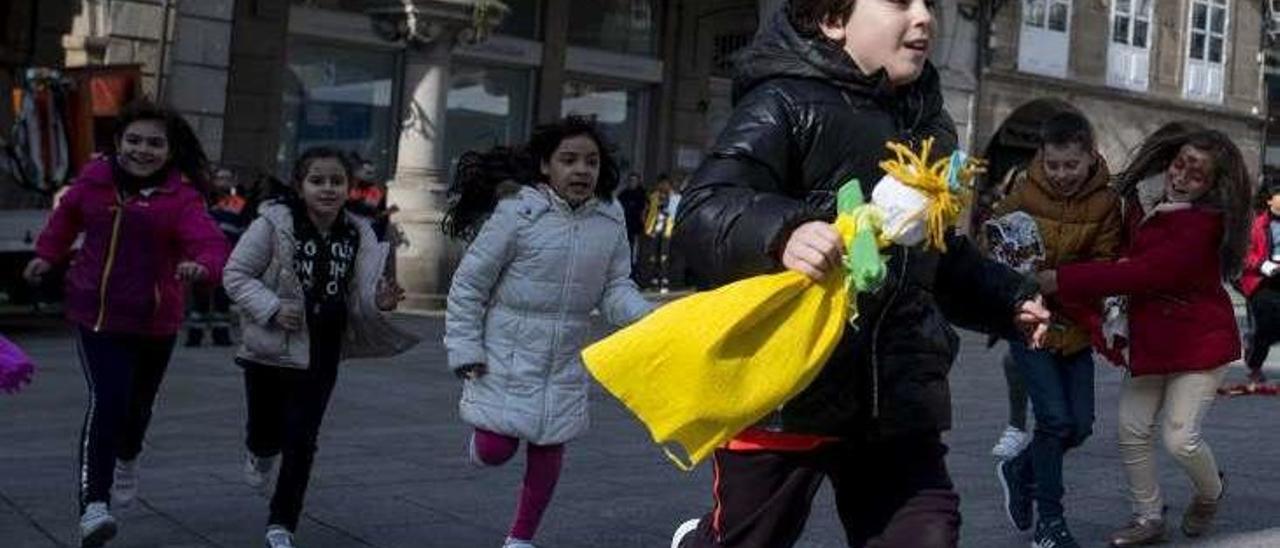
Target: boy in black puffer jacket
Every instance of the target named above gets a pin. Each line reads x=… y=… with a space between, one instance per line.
x=824 y=86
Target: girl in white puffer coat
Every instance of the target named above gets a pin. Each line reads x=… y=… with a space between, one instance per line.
x=519 y=309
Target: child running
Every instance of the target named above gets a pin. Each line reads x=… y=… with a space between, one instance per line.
x=1188 y=233
x=146 y=233
x=519 y=310
x=1259 y=283
x=821 y=89
x=308 y=277
x=1078 y=215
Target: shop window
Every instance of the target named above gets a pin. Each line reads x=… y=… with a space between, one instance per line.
x=339 y=96
x=618 y=109
x=487 y=106
x=622 y=26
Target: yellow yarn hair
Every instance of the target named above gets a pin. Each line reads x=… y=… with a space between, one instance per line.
x=933 y=180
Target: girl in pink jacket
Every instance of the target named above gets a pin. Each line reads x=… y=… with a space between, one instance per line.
x=146 y=233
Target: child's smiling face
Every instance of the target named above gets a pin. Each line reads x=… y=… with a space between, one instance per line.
x=1067 y=166
x=1189 y=176
x=895 y=35
x=324 y=186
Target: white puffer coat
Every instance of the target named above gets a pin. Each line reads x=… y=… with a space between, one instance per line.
x=521 y=304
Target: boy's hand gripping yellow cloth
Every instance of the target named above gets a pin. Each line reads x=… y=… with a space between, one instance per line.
x=701 y=369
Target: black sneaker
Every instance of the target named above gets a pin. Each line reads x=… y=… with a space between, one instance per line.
x=1053 y=534
x=1017 y=496
x=195 y=336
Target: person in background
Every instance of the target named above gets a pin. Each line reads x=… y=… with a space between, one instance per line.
x=1259 y=284
x=210 y=306
x=633 y=201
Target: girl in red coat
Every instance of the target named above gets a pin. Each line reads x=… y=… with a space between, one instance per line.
x=1187 y=231
x=1259 y=282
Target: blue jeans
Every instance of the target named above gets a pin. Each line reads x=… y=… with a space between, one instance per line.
x=1061 y=390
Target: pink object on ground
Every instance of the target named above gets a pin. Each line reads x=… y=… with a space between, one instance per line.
x=16 y=367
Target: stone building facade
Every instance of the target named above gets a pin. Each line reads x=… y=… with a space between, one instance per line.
x=1129 y=65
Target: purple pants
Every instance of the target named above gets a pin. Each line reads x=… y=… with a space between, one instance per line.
x=541 y=473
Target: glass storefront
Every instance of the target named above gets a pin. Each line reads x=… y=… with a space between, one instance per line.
x=339 y=96
x=621 y=26
x=487 y=106
x=618 y=109
x=522 y=20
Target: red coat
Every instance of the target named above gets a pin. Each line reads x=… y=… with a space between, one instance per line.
x=122 y=278
x=1180 y=317
x=1259 y=251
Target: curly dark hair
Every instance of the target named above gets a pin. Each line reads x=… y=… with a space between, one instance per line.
x=474 y=193
x=185 y=153
x=477 y=178
x=1232 y=189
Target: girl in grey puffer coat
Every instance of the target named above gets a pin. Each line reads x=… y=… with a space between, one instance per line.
x=519 y=310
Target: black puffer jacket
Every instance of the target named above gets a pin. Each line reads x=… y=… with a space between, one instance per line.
x=806 y=121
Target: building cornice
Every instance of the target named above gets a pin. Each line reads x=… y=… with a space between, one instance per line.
x=1019 y=79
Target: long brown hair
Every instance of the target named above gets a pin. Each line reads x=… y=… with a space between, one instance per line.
x=1232 y=185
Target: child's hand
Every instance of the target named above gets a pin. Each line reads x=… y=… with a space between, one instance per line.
x=814 y=249
x=35 y=271
x=190 y=271
x=389 y=294
x=1033 y=319
x=471 y=371
x=289 y=317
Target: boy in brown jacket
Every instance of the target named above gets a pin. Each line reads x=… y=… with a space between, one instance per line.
x=1065 y=189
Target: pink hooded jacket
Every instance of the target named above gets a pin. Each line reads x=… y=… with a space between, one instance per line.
x=122 y=278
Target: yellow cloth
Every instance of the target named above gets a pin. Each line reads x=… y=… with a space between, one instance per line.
x=701 y=369
x=737 y=353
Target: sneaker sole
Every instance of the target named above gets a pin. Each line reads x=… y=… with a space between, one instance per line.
x=99 y=536
x=687 y=528
x=1004 y=488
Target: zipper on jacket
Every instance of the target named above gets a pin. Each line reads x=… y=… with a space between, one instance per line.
x=110 y=262
x=875 y=337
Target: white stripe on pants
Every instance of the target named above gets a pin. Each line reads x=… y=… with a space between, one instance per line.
x=1185 y=398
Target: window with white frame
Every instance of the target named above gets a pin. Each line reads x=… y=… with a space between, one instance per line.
x=1208 y=23
x=1129 y=52
x=1045 y=38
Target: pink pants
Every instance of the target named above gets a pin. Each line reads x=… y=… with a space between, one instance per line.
x=541 y=473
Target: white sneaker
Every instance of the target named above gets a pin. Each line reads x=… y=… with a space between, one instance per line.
x=279 y=537
x=124 y=488
x=259 y=471
x=517 y=543
x=1012 y=442
x=685 y=529
x=96 y=525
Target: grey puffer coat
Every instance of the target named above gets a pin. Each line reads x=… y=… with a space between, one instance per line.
x=260 y=273
x=521 y=304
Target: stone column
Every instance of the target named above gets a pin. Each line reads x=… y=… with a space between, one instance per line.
x=430 y=29
x=418 y=188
